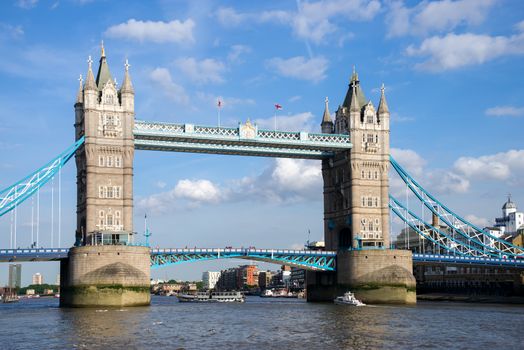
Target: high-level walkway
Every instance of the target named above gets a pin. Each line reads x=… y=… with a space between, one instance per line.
x=245 y=140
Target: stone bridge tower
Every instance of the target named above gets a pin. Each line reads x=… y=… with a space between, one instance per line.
x=105 y=268
x=356 y=211
x=105 y=117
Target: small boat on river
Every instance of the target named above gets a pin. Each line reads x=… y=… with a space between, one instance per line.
x=348 y=299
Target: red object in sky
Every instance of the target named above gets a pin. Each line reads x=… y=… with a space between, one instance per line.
x=219 y=103
x=277 y=106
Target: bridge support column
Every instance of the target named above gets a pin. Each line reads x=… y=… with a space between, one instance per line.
x=375 y=276
x=105 y=276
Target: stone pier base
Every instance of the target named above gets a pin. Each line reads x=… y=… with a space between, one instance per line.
x=375 y=276
x=95 y=276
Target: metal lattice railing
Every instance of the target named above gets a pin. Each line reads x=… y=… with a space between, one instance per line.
x=311 y=260
x=467 y=233
x=15 y=194
x=441 y=238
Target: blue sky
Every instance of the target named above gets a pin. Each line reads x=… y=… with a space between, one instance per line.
x=452 y=70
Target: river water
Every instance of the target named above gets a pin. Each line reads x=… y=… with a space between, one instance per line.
x=261 y=324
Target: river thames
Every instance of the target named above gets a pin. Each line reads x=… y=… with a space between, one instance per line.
x=261 y=324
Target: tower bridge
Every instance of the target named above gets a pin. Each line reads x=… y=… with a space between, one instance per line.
x=106 y=267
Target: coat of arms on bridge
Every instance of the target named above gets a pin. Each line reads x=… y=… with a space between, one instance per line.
x=247 y=130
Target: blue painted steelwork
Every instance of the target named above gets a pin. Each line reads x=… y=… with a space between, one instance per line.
x=15 y=194
x=40 y=254
x=306 y=259
x=434 y=234
x=244 y=140
x=471 y=233
x=466 y=260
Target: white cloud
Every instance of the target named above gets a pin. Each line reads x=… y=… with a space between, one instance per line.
x=26 y=4
x=445 y=182
x=475 y=220
x=409 y=160
x=284 y=181
x=228 y=17
x=299 y=67
x=162 y=78
x=520 y=26
x=201 y=191
x=159 y=32
x=205 y=71
x=505 y=111
x=236 y=52
x=435 y=180
x=296 y=122
x=294 y=98
x=435 y=16
x=499 y=166
x=458 y=50
x=312 y=20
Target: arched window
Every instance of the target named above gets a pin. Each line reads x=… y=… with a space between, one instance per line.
x=370 y=118
x=363 y=201
x=376 y=201
x=109 y=219
x=370 y=226
x=370 y=201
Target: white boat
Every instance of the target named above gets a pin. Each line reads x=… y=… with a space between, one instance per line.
x=348 y=299
x=213 y=297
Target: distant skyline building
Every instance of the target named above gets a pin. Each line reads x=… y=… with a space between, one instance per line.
x=37 y=278
x=210 y=279
x=15 y=276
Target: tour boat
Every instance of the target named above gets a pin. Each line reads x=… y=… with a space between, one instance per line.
x=213 y=297
x=348 y=299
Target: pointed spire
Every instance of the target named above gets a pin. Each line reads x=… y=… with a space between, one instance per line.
x=80 y=93
x=383 y=105
x=90 y=81
x=327 y=117
x=354 y=105
x=104 y=75
x=354 y=83
x=354 y=76
x=126 y=84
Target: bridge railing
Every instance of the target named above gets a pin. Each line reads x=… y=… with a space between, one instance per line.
x=144 y=128
x=242 y=251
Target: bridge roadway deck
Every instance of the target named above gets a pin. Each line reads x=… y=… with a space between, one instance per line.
x=245 y=140
x=312 y=259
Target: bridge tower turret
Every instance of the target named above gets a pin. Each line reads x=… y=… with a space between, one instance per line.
x=327 y=123
x=105 y=268
x=356 y=210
